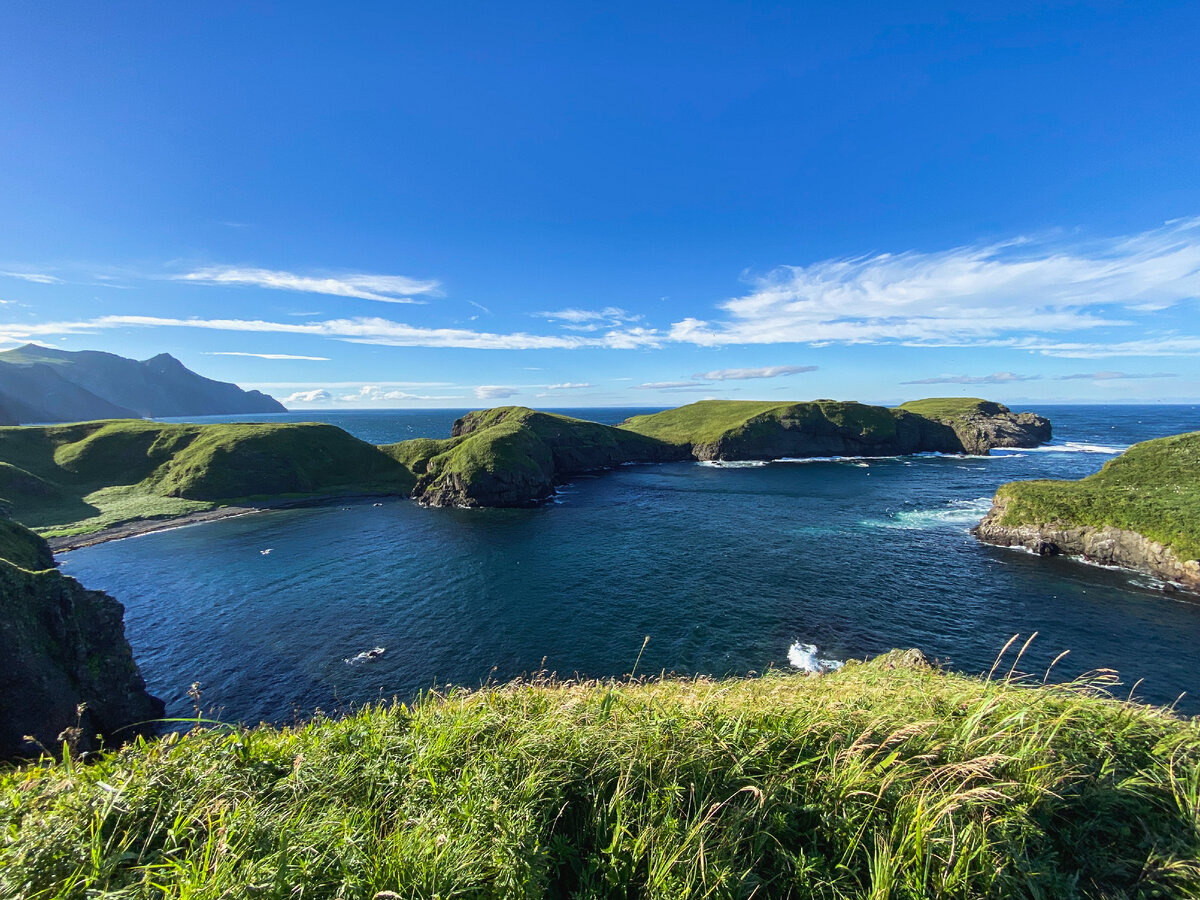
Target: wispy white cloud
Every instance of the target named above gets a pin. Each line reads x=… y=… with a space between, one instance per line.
x=384 y=288
x=494 y=391
x=340 y=385
x=569 y=386
x=265 y=355
x=317 y=396
x=1165 y=345
x=35 y=277
x=587 y=320
x=767 y=372
x=666 y=385
x=1114 y=376
x=994 y=378
x=364 y=330
x=963 y=295
x=373 y=393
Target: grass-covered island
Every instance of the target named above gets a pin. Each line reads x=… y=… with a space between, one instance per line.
x=1141 y=511
x=886 y=779
x=80 y=479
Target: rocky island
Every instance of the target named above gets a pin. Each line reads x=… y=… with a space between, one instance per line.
x=1141 y=512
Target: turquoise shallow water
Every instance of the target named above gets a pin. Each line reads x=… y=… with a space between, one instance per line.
x=727 y=569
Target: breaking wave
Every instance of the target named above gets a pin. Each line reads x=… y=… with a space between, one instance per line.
x=1077 y=447
x=807 y=658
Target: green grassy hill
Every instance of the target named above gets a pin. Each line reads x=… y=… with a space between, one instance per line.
x=952 y=407
x=512 y=456
x=1153 y=488
x=72 y=479
x=883 y=780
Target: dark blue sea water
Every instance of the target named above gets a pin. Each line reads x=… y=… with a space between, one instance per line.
x=726 y=569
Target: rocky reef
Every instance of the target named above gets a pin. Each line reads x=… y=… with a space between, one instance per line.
x=66 y=662
x=1141 y=511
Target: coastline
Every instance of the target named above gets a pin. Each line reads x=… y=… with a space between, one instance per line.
x=139 y=527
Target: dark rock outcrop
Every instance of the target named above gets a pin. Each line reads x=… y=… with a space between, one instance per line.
x=1104 y=545
x=995 y=425
x=63 y=648
x=514 y=456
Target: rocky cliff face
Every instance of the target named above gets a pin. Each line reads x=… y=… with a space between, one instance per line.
x=808 y=433
x=995 y=425
x=1106 y=545
x=62 y=645
x=513 y=457
x=804 y=434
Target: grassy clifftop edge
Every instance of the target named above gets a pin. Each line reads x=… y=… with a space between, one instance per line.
x=1153 y=489
x=884 y=779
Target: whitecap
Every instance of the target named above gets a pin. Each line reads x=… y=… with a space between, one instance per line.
x=807 y=658
x=952 y=514
x=1078 y=447
x=732 y=463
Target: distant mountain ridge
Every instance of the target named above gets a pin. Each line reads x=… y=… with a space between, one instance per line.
x=40 y=384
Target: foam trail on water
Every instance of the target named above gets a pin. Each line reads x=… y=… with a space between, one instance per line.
x=1078 y=447
x=806 y=658
x=952 y=514
x=732 y=463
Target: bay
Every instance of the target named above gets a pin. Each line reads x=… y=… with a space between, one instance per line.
x=727 y=570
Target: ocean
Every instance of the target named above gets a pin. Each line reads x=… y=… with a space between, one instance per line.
x=727 y=570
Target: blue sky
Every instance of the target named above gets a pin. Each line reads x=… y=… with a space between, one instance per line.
x=631 y=204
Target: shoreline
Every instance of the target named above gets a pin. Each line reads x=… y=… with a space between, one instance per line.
x=140 y=527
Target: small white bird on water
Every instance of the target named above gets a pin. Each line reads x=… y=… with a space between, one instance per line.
x=265 y=552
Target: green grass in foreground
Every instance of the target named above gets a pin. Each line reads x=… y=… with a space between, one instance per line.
x=873 y=782
x=1152 y=488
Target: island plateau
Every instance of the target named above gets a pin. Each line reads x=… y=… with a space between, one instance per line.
x=1141 y=511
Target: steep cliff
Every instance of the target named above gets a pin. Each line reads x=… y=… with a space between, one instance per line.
x=1141 y=511
x=62 y=649
x=735 y=429
x=513 y=456
x=980 y=425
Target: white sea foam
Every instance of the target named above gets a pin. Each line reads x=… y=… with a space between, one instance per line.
x=952 y=514
x=1078 y=447
x=732 y=463
x=807 y=658
x=855 y=460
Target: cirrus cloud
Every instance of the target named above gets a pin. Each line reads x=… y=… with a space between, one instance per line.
x=994 y=378
x=384 y=288
x=766 y=372
x=964 y=295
